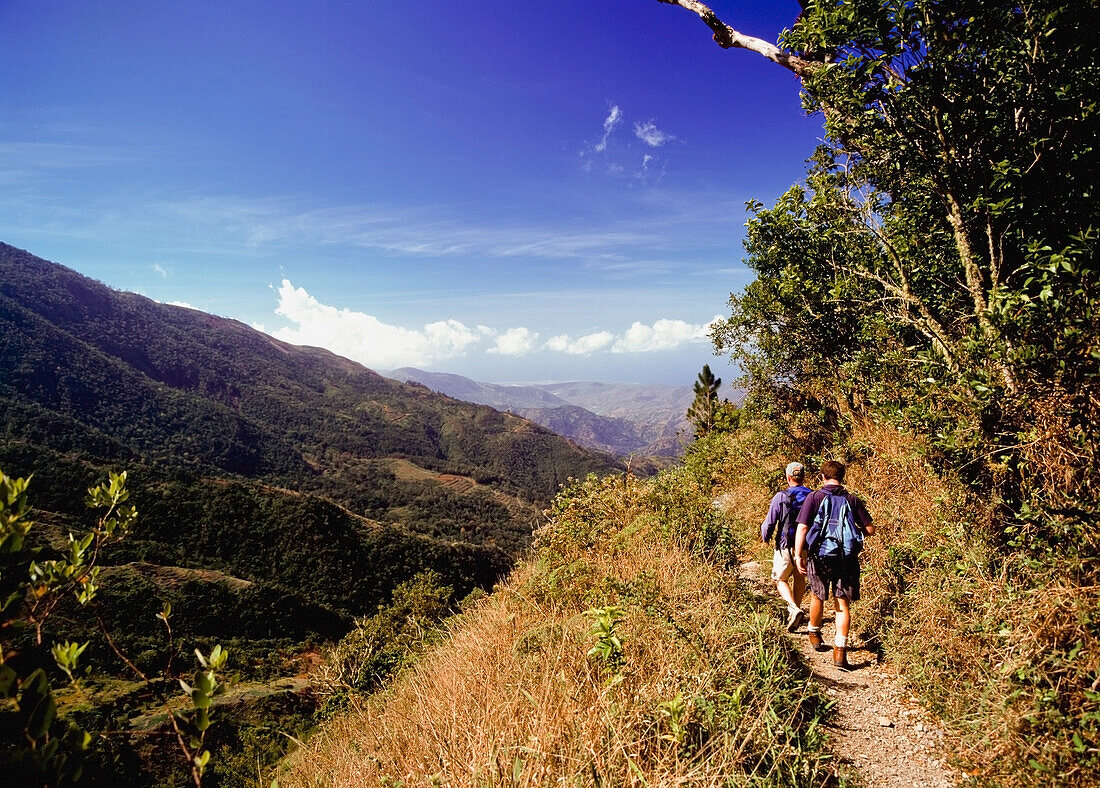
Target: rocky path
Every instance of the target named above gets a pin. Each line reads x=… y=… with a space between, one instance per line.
x=879 y=730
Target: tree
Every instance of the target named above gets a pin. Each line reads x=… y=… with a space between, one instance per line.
x=706 y=404
x=958 y=172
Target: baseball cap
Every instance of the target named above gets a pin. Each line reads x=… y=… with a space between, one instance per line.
x=795 y=468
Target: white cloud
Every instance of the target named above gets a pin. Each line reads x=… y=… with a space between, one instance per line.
x=514 y=342
x=662 y=335
x=160 y=269
x=613 y=119
x=365 y=338
x=583 y=346
x=651 y=135
x=185 y=305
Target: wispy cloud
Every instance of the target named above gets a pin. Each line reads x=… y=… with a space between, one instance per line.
x=651 y=135
x=59 y=155
x=613 y=119
x=160 y=269
x=413 y=231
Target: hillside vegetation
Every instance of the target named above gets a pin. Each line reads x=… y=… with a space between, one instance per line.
x=926 y=309
x=621 y=652
x=281 y=493
x=626 y=649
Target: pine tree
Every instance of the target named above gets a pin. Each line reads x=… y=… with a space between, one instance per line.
x=703 y=410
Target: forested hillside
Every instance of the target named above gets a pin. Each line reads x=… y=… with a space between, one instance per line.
x=281 y=491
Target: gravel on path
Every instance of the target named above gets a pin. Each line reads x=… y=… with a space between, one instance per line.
x=878 y=728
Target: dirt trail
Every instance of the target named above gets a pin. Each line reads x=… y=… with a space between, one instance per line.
x=879 y=730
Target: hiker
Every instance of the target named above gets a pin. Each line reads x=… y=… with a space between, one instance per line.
x=831 y=526
x=781 y=523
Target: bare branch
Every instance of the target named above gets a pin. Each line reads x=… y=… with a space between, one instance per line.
x=728 y=38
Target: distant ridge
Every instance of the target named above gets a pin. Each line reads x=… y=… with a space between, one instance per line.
x=624 y=418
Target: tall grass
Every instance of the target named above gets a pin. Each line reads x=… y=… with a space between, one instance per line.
x=703 y=689
x=1001 y=640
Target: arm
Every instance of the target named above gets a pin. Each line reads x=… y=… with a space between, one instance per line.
x=767 y=528
x=863 y=518
x=800 y=547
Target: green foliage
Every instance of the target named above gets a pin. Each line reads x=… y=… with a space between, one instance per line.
x=708 y=413
x=939 y=267
x=938 y=272
x=34 y=744
x=609 y=645
x=379 y=645
x=194 y=723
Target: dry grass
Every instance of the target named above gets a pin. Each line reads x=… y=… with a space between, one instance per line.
x=1004 y=646
x=512 y=697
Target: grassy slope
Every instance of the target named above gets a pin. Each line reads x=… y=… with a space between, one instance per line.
x=1003 y=645
x=511 y=695
x=707 y=688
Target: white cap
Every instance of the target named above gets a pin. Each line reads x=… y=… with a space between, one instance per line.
x=795 y=468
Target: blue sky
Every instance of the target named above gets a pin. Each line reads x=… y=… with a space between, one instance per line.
x=508 y=191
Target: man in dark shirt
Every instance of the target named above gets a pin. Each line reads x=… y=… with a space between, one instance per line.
x=841 y=576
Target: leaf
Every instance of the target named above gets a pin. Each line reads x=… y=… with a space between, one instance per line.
x=200 y=700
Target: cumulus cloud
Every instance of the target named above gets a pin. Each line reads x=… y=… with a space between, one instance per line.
x=662 y=335
x=651 y=135
x=368 y=340
x=613 y=119
x=365 y=338
x=582 y=346
x=514 y=342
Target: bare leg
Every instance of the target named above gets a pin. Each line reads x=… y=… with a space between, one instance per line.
x=799 y=588
x=843 y=617
x=785 y=593
x=817 y=612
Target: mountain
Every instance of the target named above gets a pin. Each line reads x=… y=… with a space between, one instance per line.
x=621 y=418
x=494 y=395
x=244 y=448
x=282 y=491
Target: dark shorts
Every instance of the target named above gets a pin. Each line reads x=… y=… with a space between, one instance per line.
x=841 y=579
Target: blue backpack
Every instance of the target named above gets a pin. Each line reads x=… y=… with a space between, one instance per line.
x=837 y=535
x=787 y=522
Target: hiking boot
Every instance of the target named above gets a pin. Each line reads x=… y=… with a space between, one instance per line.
x=796 y=619
x=840 y=658
x=817 y=641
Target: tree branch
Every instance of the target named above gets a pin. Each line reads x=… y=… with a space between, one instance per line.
x=728 y=38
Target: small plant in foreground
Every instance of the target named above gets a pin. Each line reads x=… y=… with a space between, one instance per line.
x=609 y=645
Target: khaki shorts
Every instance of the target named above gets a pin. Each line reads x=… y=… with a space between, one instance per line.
x=783 y=566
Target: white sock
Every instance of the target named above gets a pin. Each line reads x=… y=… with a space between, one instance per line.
x=793 y=609
x=812 y=628
x=841 y=641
